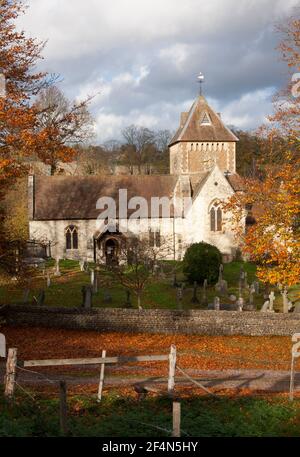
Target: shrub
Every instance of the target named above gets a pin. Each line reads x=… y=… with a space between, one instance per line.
x=202 y=261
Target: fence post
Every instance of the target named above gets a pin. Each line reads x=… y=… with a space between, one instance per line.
x=10 y=377
x=292 y=378
x=63 y=407
x=101 y=381
x=176 y=418
x=172 y=368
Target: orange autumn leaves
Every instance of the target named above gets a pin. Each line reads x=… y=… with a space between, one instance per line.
x=194 y=352
x=273 y=242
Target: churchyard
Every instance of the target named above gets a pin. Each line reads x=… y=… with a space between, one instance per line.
x=48 y=288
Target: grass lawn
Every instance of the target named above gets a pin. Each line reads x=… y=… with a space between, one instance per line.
x=160 y=293
x=124 y=416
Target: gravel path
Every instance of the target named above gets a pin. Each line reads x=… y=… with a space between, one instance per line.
x=263 y=380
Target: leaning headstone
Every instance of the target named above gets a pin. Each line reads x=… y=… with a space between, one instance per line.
x=195 y=298
x=87 y=293
x=2 y=345
x=217 y=304
x=57 y=271
x=224 y=287
x=265 y=306
x=204 y=295
x=40 y=300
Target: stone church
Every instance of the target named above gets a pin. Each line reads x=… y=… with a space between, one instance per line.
x=65 y=211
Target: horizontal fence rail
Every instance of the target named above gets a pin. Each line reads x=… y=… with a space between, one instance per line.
x=94 y=361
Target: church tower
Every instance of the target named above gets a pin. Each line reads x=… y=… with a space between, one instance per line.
x=201 y=141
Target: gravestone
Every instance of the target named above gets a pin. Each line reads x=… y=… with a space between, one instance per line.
x=2 y=345
x=232 y=298
x=195 y=298
x=87 y=293
x=204 y=295
x=57 y=271
x=40 y=299
x=271 y=301
x=221 y=269
x=240 y=288
x=240 y=303
x=256 y=287
x=245 y=280
x=92 y=277
x=179 y=296
x=128 y=303
x=217 y=304
x=48 y=280
x=297 y=308
x=162 y=273
x=242 y=277
x=25 y=298
x=107 y=299
x=224 y=287
x=285 y=301
x=95 y=283
x=265 y=306
x=81 y=264
x=175 y=283
x=251 y=294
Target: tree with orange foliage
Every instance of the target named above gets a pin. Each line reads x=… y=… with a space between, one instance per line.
x=60 y=126
x=18 y=56
x=273 y=242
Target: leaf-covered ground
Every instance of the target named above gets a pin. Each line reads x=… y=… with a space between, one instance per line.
x=194 y=352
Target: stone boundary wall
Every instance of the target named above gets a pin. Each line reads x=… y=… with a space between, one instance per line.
x=191 y=322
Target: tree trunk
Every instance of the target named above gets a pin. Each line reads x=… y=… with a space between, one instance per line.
x=53 y=169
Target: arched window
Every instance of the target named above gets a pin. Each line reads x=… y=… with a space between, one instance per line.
x=216 y=218
x=71 y=237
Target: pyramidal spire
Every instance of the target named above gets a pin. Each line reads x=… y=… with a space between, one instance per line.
x=201 y=124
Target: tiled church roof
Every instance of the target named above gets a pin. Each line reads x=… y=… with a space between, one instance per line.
x=201 y=123
x=75 y=197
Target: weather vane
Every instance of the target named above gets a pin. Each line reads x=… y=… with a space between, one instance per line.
x=200 y=79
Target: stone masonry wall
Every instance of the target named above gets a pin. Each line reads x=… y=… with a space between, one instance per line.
x=191 y=322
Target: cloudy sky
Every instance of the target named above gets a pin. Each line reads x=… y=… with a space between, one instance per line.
x=143 y=57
